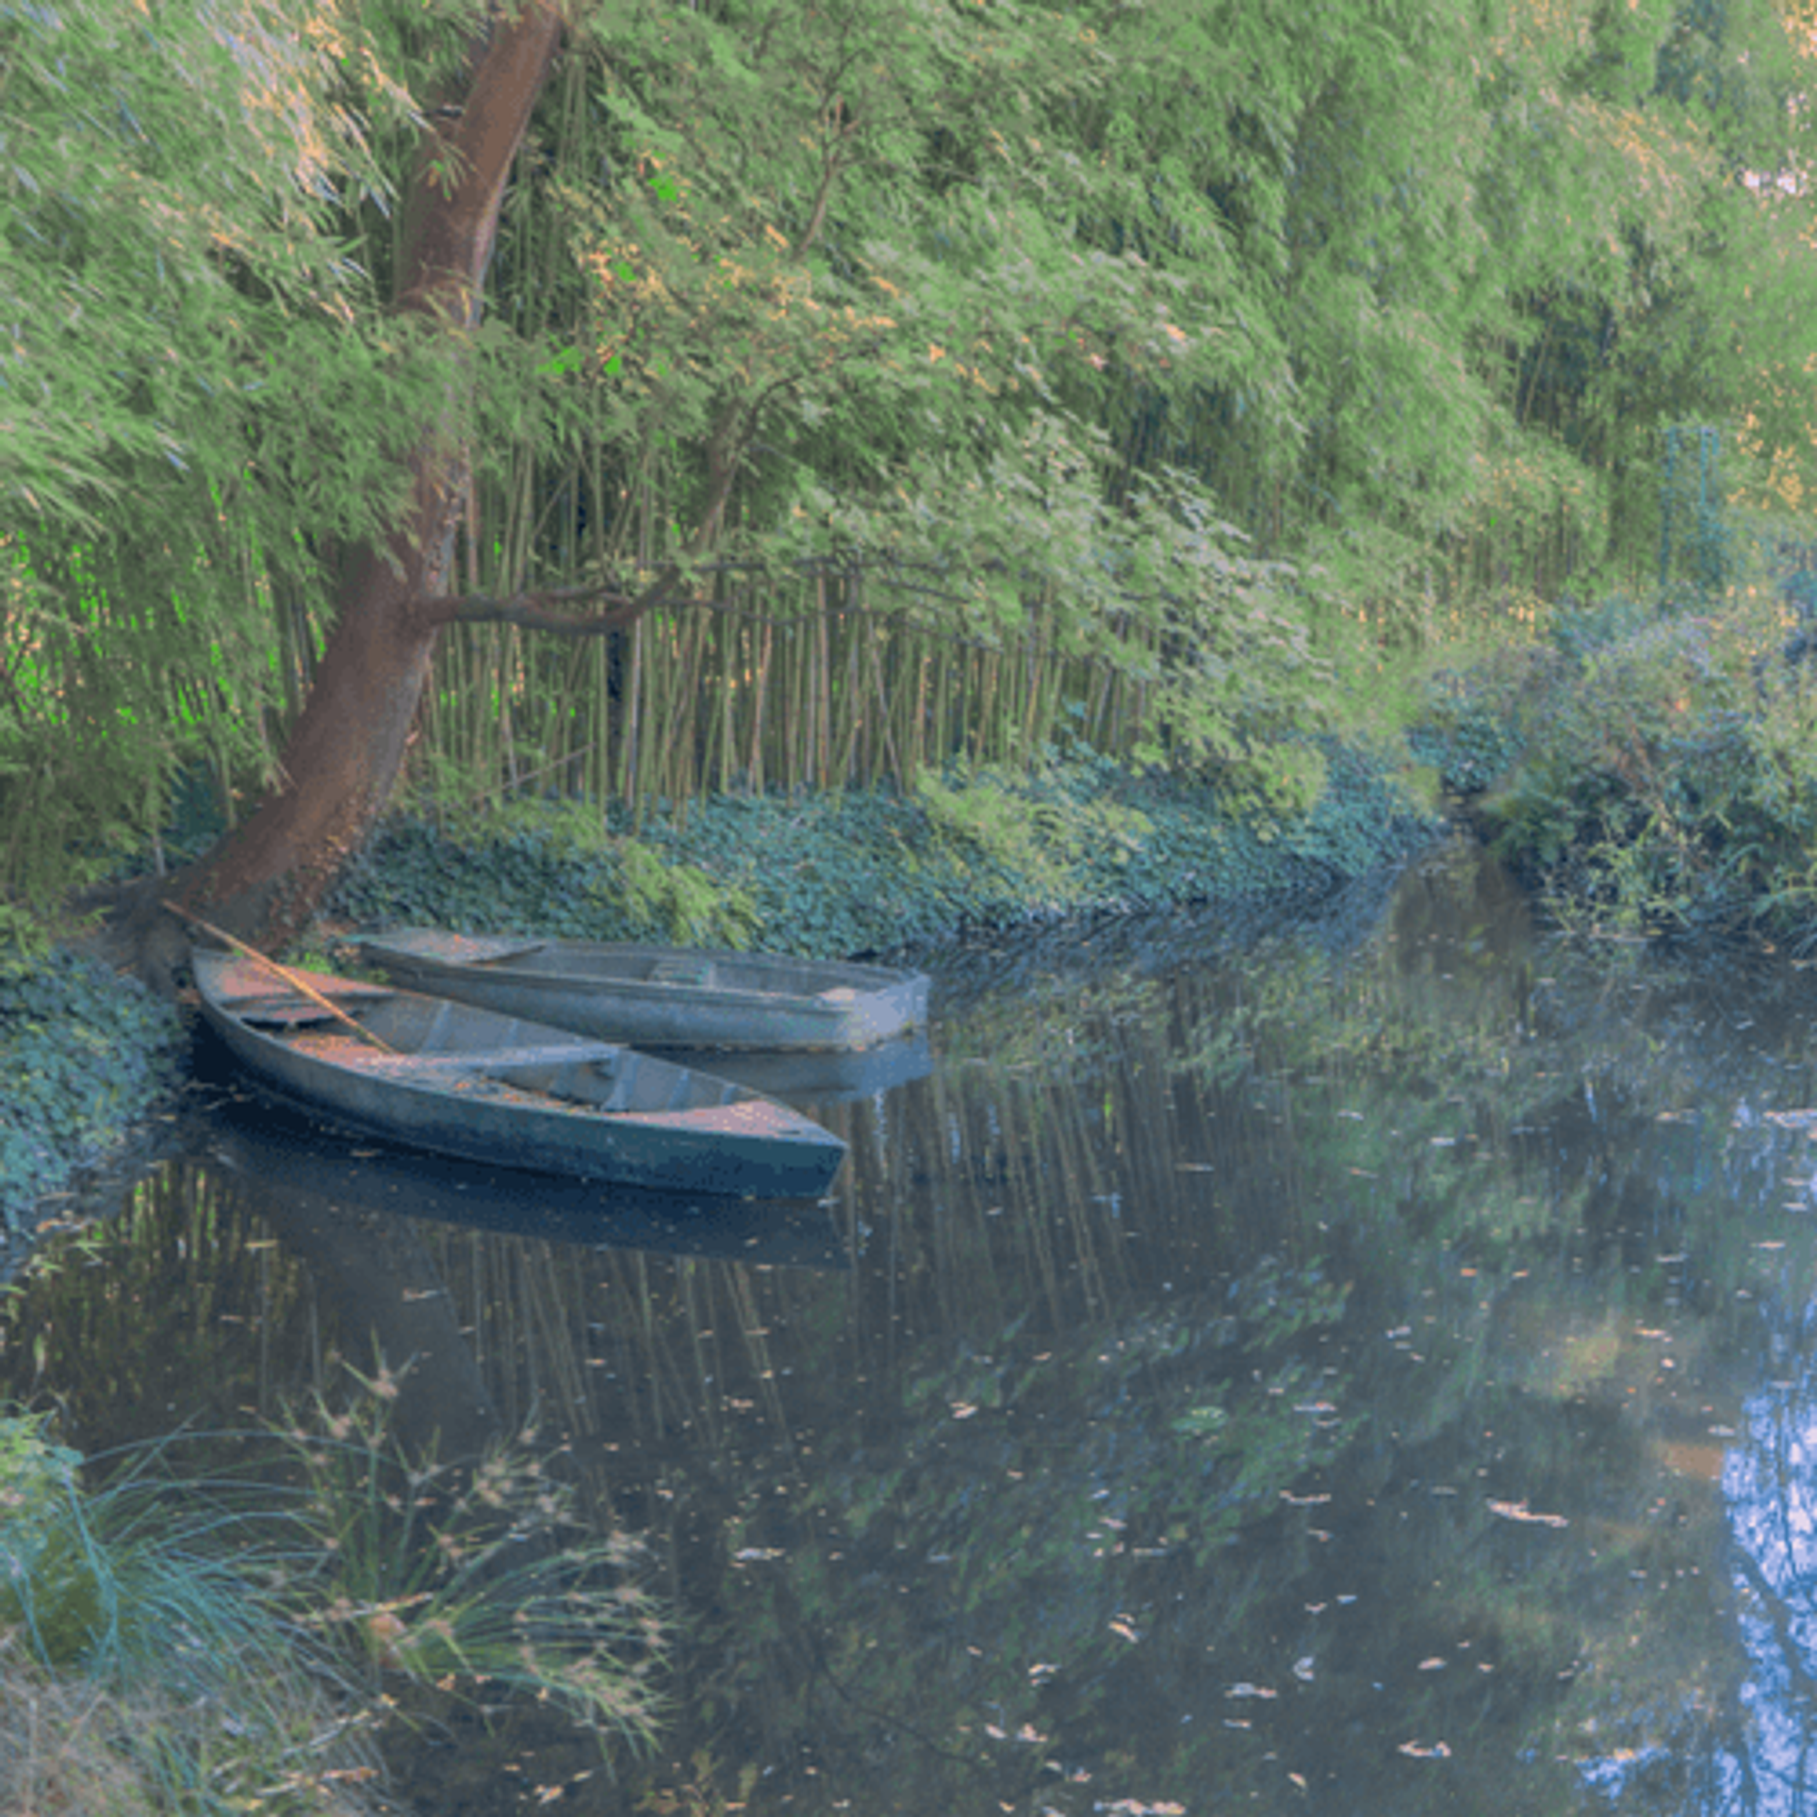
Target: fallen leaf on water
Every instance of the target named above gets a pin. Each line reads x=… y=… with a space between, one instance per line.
x=1518 y=1511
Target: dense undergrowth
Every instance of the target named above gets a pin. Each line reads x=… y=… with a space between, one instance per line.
x=83 y=1054
x=872 y=871
x=1651 y=768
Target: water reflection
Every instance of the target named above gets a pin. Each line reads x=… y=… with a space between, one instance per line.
x=1336 y=1366
x=1770 y=1482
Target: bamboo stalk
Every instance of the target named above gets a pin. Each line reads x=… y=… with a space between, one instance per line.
x=823 y=678
x=760 y=682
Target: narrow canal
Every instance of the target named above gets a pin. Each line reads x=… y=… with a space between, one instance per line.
x=1368 y=1366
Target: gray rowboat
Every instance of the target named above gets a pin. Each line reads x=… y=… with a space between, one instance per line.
x=502 y=1089
x=659 y=996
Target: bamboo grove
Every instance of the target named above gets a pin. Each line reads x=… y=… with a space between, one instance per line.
x=997 y=376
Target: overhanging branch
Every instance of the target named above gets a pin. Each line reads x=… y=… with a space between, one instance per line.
x=541 y=609
x=538 y=610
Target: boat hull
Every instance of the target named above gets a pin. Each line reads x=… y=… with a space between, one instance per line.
x=499 y=1089
x=650 y=996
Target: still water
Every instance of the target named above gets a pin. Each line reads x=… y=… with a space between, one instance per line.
x=1367 y=1366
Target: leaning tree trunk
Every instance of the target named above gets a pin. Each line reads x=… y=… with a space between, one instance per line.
x=341 y=763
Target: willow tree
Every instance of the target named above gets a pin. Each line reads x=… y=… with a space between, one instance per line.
x=343 y=755
x=275 y=412
x=191 y=349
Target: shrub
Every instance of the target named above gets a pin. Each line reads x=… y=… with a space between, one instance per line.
x=1670 y=778
x=146 y=1602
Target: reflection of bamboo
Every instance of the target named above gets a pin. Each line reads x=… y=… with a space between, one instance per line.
x=756 y=1335
x=990 y=1191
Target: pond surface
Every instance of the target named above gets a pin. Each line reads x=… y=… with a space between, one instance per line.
x=1366 y=1367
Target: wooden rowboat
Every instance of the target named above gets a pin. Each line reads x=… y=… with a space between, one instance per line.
x=658 y=996
x=503 y=1089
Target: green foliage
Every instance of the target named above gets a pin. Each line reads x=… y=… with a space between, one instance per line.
x=868 y=871
x=198 y=390
x=1469 y=727
x=36 y=1476
x=683 y=902
x=1670 y=774
x=199 y=1595
x=1034 y=829
x=157 y=1592
x=546 y=867
x=83 y=1053
x=107 y=1582
x=979 y=366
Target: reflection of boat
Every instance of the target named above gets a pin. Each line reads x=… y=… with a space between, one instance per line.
x=821 y=1078
x=658 y=996
x=465 y=1081
x=306 y=1165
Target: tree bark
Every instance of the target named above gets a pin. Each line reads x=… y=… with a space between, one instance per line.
x=264 y=880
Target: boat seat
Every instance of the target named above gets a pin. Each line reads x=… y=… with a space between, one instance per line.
x=299 y=1012
x=683 y=969
x=499 y=1059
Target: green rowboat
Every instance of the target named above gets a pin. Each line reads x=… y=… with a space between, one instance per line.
x=658 y=996
x=465 y=1081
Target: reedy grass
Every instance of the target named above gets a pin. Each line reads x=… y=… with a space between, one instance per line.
x=226 y=1642
x=474 y=1581
x=144 y=1653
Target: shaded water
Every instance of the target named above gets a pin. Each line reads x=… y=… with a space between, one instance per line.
x=1352 y=1375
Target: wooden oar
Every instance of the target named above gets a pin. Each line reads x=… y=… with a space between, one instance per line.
x=291 y=978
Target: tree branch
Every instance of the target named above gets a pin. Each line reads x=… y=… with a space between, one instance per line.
x=536 y=611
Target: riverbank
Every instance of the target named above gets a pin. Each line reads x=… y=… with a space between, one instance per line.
x=87 y=1055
